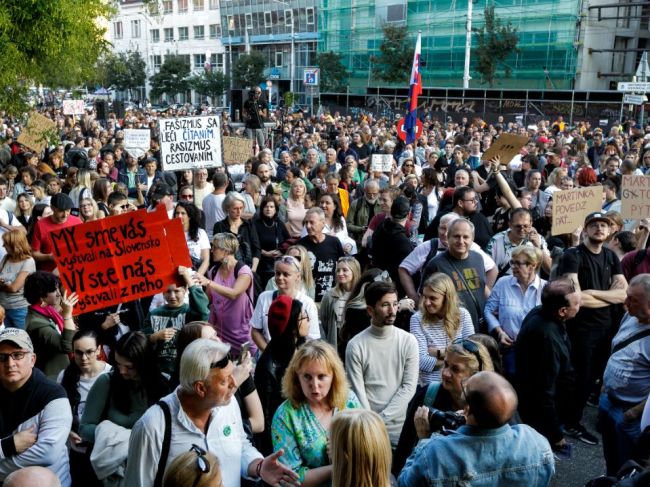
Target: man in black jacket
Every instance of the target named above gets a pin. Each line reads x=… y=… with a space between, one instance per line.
x=544 y=375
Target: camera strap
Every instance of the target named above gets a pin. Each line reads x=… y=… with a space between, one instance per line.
x=431 y=394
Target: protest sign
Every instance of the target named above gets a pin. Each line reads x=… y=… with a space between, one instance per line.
x=506 y=147
x=73 y=107
x=121 y=258
x=236 y=150
x=190 y=142
x=35 y=133
x=381 y=163
x=137 y=141
x=635 y=197
x=570 y=207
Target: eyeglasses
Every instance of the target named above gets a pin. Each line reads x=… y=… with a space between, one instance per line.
x=472 y=348
x=187 y=196
x=88 y=353
x=15 y=356
x=288 y=259
x=201 y=462
x=518 y=263
x=123 y=207
x=221 y=364
x=521 y=227
x=473 y=200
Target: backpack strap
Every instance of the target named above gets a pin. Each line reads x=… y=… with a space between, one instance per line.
x=433 y=250
x=630 y=340
x=167 y=440
x=432 y=392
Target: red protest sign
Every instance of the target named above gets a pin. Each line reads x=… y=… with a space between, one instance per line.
x=120 y=258
x=401 y=132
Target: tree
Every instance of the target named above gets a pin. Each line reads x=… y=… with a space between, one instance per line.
x=124 y=71
x=172 y=78
x=54 y=43
x=495 y=42
x=396 y=56
x=249 y=69
x=211 y=83
x=333 y=75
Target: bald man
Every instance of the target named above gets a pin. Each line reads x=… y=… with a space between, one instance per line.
x=486 y=450
x=32 y=477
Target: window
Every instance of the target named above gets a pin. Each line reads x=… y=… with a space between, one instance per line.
x=167 y=7
x=186 y=59
x=231 y=22
x=155 y=35
x=199 y=61
x=183 y=33
x=198 y=5
x=278 y=59
x=310 y=15
x=396 y=13
x=214 y=4
x=169 y=34
x=182 y=6
x=156 y=60
x=117 y=30
x=216 y=60
x=288 y=18
x=135 y=29
x=249 y=21
x=268 y=20
x=199 y=31
x=215 y=31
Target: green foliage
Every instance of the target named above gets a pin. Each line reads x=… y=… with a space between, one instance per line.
x=173 y=77
x=211 y=83
x=289 y=97
x=124 y=71
x=395 y=56
x=248 y=71
x=333 y=75
x=495 y=42
x=54 y=43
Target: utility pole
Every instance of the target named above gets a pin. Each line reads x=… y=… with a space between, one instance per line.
x=468 y=43
x=642 y=73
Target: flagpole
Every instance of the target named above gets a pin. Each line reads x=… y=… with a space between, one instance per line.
x=468 y=44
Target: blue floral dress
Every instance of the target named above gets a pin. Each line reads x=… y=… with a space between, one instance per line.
x=302 y=436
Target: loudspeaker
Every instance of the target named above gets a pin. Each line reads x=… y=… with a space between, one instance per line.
x=101 y=109
x=118 y=108
x=237 y=98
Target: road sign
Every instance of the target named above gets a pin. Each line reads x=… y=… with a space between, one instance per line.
x=310 y=77
x=401 y=132
x=633 y=99
x=634 y=87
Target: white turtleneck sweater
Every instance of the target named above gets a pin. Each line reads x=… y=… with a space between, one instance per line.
x=382 y=366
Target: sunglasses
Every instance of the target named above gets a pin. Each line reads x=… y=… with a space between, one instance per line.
x=288 y=259
x=201 y=463
x=221 y=364
x=187 y=196
x=472 y=348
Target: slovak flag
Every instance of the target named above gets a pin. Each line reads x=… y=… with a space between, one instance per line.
x=410 y=122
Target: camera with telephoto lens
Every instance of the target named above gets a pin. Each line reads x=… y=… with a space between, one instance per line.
x=445 y=420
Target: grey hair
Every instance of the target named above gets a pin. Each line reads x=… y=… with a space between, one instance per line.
x=230 y=199
x=370 y=182
x=642 y=280
x=459 y=221
x=316 y=210
x=196 y=361
x=312 y=151
x=447 y=218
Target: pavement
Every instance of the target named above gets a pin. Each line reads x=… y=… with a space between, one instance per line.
x=587 y=461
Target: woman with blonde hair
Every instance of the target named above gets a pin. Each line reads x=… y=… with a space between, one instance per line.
x=332 y=306
x=83 y=189
x=195 y=468
x=293 y=211
x=439 y=321
x=252 y=195
x=316 y=389
x=89 y=211
x=360 y=448
x=14 y=269
x=306 y=277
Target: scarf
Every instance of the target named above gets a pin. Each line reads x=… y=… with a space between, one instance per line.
x=51 y=313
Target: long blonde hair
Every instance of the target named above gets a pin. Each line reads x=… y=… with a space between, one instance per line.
x=361 y=452
x=442 y=284
x=305 y=266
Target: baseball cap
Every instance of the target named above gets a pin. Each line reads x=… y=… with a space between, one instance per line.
x=400 y=208
x=17 y=336
x=61 y=201
x=597 y=216
x=163 y=189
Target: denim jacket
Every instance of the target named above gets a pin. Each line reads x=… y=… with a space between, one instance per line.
x=471 y=456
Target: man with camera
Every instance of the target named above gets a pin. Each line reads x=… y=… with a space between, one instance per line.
x=486 y=450
x=254 y=114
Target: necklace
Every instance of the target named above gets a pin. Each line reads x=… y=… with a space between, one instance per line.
x=268 y=226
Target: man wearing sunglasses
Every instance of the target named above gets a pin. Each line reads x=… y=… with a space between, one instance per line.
x=202 y=412
x=518 y=454
x=35 y=415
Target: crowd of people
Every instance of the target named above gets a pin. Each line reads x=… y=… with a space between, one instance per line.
x=340 y=324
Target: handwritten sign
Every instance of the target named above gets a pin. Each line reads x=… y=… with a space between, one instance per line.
x=236 y=150
x=570 y=207
x=190 y=142
x=137 y=141
x=506 y=147
x=635 y=197
x=381 y=163
x=120 y=258
x=73 y=107
x=34 y=135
